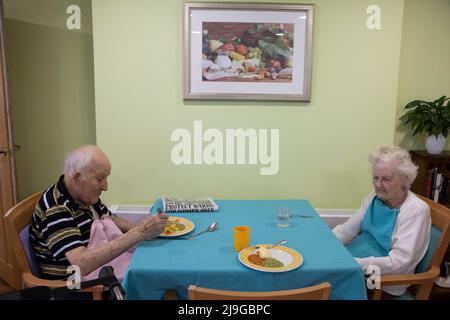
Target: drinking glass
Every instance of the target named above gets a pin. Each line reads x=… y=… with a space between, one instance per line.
x=283 y=217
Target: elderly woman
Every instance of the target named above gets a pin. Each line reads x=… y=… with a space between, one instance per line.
x=391 y=230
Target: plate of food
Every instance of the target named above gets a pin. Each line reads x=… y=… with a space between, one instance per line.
x=263 y=258
x=177 y=227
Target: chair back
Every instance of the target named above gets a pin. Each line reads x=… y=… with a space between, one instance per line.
x=439 y=237
x=31 y=257
x=425 y=263
x=317 y=292
x=18 y=220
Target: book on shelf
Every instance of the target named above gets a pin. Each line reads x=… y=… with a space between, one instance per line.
x=444 y=197
x=428 y=179
x=437 y=187
x=430 y=182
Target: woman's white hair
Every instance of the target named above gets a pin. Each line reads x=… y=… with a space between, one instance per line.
x=399 y=157
x=78 y=160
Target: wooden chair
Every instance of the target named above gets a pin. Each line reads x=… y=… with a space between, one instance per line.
x=17 y=220
x=318 y=292
x=429 y=268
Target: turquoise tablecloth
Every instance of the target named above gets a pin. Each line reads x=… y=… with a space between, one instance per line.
x=210 y=260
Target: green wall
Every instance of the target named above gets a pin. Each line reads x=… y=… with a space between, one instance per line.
x=323 y=144
x=425 y=60
x=361 y=81
x=51 y=78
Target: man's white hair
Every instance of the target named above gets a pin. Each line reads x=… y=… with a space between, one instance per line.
x=399 y=157
x=78 y=160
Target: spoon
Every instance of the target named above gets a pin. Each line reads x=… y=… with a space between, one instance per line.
x=211 y=228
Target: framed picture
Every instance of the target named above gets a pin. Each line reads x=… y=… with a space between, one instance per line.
x=247 y=51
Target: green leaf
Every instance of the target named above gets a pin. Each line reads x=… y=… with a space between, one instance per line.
x=272 y=50
x=280 y=43
x=439 y=102
x=416 y=131
x=267 y=48
x=412 y=104
x=430 y=117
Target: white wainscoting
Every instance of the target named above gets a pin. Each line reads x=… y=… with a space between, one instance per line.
x=333 y=217
x=135 y=213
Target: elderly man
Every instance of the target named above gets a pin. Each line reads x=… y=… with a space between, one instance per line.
x=61 y=223
x=392 y=228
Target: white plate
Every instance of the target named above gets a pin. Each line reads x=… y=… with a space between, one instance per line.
x=188 y=224
x=290 y=258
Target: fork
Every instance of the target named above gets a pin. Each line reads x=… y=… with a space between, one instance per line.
x=274 y=245
x=300 y=215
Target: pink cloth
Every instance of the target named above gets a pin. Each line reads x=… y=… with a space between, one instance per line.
x=102 y=231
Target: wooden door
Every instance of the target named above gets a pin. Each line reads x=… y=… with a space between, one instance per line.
x=8 y=194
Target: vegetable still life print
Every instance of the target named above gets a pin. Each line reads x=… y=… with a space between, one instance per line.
x=247 y=51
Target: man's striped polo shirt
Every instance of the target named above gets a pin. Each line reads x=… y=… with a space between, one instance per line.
x=59 y=225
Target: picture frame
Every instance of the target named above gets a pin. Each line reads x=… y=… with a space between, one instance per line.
x=247 y=51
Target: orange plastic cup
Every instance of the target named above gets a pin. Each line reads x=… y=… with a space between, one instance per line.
x=241 y=237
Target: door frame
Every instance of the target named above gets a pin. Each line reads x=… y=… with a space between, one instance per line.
x=8 y=183
x=4 y=95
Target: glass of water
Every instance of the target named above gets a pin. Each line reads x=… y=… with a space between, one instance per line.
x=283 y=217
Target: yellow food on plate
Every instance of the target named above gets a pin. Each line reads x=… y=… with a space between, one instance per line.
x=174 y=226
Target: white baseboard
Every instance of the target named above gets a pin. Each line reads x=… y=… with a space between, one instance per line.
x=135 y=213
x=132 y=213
x=333 y=217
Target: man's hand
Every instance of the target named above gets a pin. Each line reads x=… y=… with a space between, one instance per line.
x=90 y=259
x=153 y=226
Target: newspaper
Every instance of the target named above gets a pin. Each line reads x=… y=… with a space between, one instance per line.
x=187 y=205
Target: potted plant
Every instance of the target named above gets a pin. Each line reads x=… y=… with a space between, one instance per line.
x=431 y=118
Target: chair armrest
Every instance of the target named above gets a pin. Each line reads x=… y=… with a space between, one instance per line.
x=402 y=279
x=417 y=278
x=30 y=280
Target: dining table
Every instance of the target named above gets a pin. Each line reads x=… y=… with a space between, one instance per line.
x=210 y=260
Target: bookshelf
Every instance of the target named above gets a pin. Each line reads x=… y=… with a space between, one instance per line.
x=425 y=185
